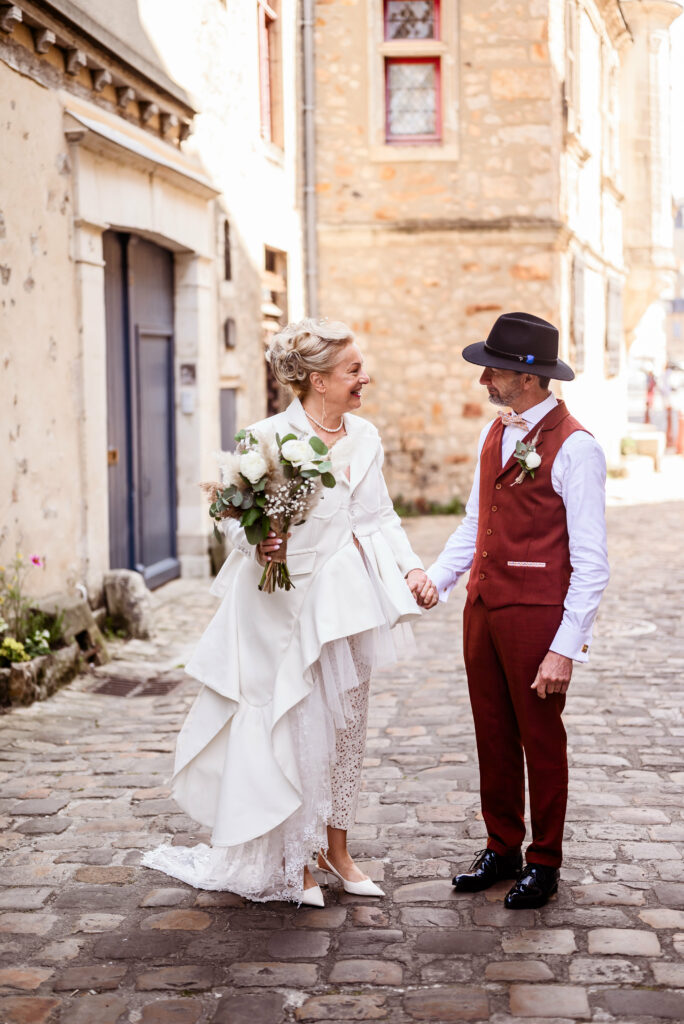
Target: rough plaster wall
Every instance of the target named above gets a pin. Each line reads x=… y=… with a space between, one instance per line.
x=40 y=488
x=212 y=51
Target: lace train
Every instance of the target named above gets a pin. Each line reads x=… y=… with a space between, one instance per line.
x=270 y=867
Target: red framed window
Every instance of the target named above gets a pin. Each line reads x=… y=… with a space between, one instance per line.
x=268 y=59
x=411 y=19
x=413 y=99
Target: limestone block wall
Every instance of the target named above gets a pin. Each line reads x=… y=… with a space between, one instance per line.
x=415 y=300
x=421 y=248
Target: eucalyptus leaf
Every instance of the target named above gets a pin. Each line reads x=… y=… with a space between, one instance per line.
x=236 y=500
x=288 y=437
x=324 y=467
x=217 y=533
x=328 y=480
x=254 y=532
x=250 y=517
x=259 y=485
x=247 y=500
x=318 y=446
x=307 y=474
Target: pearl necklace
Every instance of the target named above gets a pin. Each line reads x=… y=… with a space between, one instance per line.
x=326 y=429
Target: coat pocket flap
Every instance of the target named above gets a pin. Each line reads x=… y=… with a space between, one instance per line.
x=300 y=562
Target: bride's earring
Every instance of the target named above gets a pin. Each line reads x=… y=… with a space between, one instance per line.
x=323 y=417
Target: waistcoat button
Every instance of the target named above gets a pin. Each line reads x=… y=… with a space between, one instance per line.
x=489 y=533
x=484 y=554
x=494 y=507
x=498 y=487
x=482 y=576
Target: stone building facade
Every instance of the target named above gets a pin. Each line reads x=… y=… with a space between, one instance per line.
x=475 y=157
x=150 y=240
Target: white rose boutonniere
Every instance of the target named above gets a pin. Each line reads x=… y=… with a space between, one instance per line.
x=528 y=458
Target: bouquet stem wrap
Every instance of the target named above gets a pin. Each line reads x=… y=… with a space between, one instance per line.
x=276 y=574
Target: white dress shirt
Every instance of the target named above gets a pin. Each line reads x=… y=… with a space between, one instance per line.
x=578 y=476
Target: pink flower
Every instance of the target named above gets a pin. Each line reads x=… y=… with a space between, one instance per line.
x=36 y=560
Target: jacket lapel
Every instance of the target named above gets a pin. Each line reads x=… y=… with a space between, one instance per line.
x=364 y=449
x=296 y=418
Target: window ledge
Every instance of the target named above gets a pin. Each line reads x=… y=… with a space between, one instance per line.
x=404 y=152
x=611 y=184
x=272 y=152
x=574 y=146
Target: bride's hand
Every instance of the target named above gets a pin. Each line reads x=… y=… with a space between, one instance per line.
x=267 y=547
x=422 y=588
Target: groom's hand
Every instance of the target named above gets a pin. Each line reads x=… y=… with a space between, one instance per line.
x=422 y=588
x=553 y=675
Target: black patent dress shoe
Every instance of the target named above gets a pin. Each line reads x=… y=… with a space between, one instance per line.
x=487 y=868
x=534 y=887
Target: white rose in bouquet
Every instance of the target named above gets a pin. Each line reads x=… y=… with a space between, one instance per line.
x=296 y=452
x=253 y=466
x=532 y=460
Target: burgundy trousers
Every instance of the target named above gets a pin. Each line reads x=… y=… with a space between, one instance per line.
x=503 y=649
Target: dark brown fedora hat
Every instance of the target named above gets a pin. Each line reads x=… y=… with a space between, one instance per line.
x=522 y=342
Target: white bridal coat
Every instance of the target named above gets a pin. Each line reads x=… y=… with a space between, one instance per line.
x=247 y=749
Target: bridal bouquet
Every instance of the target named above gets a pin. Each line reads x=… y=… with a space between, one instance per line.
x=270 y=485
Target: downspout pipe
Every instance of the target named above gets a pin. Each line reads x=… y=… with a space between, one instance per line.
x=309 y=111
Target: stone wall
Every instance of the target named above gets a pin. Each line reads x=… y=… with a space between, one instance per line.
x=422 y=246
x=415 y=300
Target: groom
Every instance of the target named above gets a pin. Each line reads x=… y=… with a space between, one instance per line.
x=534 y=540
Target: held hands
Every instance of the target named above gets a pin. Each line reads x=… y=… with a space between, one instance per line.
x=267 y=547
x=553 y=675
x=422 y=588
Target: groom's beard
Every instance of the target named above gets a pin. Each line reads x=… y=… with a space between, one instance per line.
x=506 y=396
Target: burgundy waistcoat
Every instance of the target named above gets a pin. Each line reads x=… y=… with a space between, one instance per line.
x=522 y=554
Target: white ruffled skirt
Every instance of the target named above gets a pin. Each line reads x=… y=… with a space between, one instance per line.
x=270 y=866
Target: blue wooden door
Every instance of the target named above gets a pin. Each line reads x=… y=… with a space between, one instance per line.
x=145 y=487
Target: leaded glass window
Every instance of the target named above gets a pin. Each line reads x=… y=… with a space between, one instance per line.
x=412 y=98
x=411 y=19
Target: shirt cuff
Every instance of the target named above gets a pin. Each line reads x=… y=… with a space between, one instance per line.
x=443 y=581
x=570 y=643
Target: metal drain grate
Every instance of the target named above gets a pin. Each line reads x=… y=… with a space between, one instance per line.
x=158 y=687
x=117 y=687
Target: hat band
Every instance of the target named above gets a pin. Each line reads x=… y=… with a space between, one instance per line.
x=529 y=359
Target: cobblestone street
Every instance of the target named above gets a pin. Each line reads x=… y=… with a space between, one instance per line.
x=90 y=937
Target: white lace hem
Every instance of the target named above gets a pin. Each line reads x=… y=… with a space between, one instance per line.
x=271 y=866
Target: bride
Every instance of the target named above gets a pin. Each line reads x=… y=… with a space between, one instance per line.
x=270 y=754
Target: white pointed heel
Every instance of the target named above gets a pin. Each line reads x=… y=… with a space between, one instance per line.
x=312 y=897
x=364 y=888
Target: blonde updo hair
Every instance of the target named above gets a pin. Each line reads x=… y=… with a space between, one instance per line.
x=309 y=346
